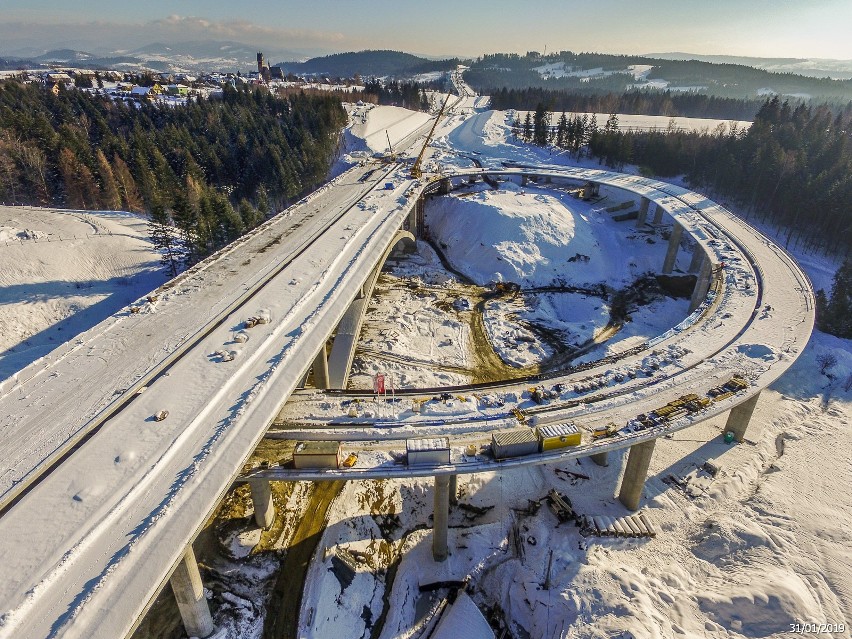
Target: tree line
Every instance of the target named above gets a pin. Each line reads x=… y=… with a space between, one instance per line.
x=693 y=105
x=206 y=172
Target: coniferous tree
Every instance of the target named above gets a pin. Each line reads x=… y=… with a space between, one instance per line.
x=836 y=313
x=110 y=198
x=541 y=125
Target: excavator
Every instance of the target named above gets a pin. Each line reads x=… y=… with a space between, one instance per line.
x=416 y=173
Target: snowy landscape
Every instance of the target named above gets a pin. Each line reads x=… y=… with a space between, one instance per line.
x=753 y=537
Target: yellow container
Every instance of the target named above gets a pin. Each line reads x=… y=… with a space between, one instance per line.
x=555 y=436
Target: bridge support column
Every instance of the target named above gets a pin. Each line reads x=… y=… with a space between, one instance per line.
x=739 y=418
x=697 y=255
x=674 y=245
x=633 y=481
x=321 y=379
x=702 y=285
x=658 y=215
x=264 y=508
x=601 y=459
x=524 y=179
x=440 y=525
x=189 y=593
x=643 y=213
x=445 y=187
x=454 y=489
x=412 y=219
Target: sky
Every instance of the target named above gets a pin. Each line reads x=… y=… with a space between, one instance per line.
x=761 y=28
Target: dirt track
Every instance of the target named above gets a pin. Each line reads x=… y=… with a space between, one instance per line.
x=282 y=614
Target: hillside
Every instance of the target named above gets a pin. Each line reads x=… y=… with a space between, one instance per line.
x=814 y=67
x=367 y=63
x=601 y=73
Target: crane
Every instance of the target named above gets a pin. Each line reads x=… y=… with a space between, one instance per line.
x=415 y=168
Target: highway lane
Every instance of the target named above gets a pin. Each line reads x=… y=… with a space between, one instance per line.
x=47 y=408
x=755 y=323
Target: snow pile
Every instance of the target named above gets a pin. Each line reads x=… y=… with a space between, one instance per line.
x=514 y=236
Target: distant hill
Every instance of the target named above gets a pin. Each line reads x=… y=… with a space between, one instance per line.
x=182 y=56
x=594 y=73
x=813 y=67
x=368 y=63
x=13 y=64
x=64 y=56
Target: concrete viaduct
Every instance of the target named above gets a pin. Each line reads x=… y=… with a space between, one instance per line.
x=145 y=530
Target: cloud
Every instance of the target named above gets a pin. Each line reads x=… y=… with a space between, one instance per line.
x=242 y=30
x=101 y=35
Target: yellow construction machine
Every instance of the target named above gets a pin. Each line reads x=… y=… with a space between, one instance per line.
x=415 y=168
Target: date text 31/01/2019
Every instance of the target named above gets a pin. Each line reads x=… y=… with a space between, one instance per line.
x=817 y=628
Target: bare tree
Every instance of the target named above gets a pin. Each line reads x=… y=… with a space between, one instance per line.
x=826 y=361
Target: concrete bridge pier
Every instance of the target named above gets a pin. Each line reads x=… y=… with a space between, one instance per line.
x=189 y=593
x=261 y=497
x=658 y=215
x=440 y=524
x=674 y=245
x=454 y=489
x=697 y=256
x=635 y=473
x=601 y=459
x=643 y=213
x=321 y=379
x=445 y=186
x=739 y=418
x=702 y=284
x=524 y=179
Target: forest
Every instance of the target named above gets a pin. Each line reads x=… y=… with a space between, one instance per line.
x=692 y=105
x=206 y=172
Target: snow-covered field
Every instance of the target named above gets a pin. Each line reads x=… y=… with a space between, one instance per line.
x=64 y=271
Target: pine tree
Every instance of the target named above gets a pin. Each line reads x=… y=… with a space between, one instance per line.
x=110 y=198
x=126 y=186
x=837 y=314
x=541 y=125
x=165 y=239
x=528 y=129
x=562 y=132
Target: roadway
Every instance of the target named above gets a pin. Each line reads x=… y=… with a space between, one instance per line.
x=755 y=322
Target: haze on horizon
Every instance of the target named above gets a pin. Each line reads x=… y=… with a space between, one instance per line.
x=759 y=28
